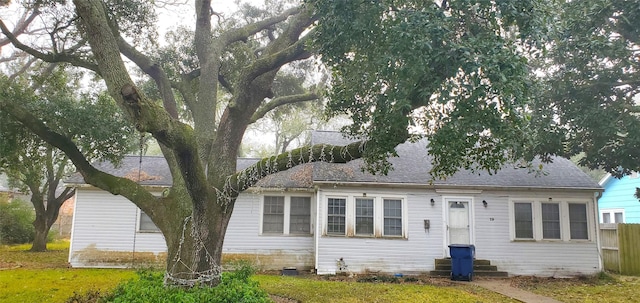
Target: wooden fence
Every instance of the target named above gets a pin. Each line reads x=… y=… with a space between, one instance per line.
x=620 y=244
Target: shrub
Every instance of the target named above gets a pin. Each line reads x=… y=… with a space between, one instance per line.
x=236 y=286
x=16 y=222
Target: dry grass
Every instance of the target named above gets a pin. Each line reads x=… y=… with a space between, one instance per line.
x=317 y=289
x=603 y=288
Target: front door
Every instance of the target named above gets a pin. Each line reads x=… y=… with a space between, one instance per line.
x=459 y=226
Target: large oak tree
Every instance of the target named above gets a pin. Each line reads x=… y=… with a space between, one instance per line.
x=460 y=71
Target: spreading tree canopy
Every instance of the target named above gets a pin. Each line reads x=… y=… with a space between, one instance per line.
x=36 y=167
x=469 y=75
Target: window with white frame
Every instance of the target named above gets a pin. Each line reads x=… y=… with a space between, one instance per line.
x=366 y=216
x=286 y=215
x=300 y=217
x=523 y=220
x=336 y=216
x=550 y=220
x=273 y=215
x=145 y=224
x=579 y=226
x=392 y=217
x=615 y=215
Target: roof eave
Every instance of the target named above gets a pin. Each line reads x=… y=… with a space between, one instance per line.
x=454 y=186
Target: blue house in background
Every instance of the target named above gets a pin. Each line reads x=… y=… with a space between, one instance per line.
x=618 y=203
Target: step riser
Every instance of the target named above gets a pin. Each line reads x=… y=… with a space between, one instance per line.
x=447 y=273
x=481 y=268
x=475 y=267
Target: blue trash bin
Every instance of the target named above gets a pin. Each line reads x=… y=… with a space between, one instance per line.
x=462 y=261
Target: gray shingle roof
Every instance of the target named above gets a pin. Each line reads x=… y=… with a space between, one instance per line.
x=411 y=167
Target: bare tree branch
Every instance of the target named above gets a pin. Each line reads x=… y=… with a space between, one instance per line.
x=22 y=25
x=49 y=57
x=264 y=109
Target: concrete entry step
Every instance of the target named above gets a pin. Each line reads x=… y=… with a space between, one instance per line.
x=481 y=268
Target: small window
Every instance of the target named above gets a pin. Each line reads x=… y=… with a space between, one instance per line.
x=550 y=221
x=615 y=215
x=300 y=218
x=619 y=217
x=336 y=212
x=392 y=217
x=364 y=216
x=273 y=218
x=578 y=226
x=523 y=220
x=145 y=224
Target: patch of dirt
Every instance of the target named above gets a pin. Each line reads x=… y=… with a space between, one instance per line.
x=377 y=278
x=529 y=282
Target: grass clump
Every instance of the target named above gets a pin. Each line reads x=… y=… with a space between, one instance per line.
x=599 y=288
x=312 y=290
x=236 y=286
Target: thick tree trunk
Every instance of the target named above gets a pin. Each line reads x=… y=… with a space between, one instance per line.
x=194 y=253
x=42 y=227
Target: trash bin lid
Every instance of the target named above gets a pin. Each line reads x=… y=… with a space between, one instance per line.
x=461 y=245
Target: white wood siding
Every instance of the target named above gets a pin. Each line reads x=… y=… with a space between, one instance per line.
x=104 y=230
x=104 y=224
x=414 y=254
x=540 y=258
x=243 y=239
x=490 y=235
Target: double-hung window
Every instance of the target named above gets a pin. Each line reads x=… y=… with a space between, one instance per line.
x=286 y=215
x=392 y=217
x=523 y=213
x=550 y=220
x=273 y=215
x=365 y=216
x=579 y=226
x=336 y=216
x=300 y=217
x=145 y=224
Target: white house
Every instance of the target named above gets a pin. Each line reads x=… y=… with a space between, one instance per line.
x=323 y=216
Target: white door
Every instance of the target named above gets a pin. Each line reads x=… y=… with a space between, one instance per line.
x=459 y=227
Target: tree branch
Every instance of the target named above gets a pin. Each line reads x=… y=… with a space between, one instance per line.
x=264 y=109
x=292 y=53
x=110 y=183
x=22 y=25
x=248 y=177
x=154 y=71
x=243 y=33
x=147 y=115
x=57 y=57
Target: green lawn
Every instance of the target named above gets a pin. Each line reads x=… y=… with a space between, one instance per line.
x=47 y=278
x=27 y=277
x=56 y=285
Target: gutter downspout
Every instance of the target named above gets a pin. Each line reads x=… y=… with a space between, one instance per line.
x=596 y=197
x=316 y=235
